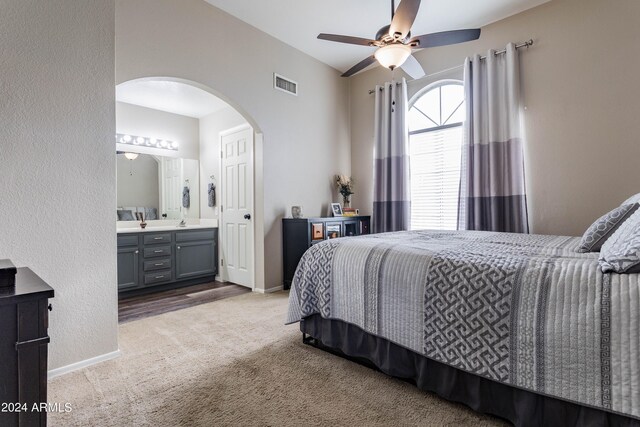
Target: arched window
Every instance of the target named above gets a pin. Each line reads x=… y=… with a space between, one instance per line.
x=435 y=141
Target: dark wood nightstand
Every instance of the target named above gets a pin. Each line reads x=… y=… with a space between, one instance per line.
x=299 y=234
x=24 y=320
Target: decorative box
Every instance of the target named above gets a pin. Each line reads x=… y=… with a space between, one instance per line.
x=7 y=273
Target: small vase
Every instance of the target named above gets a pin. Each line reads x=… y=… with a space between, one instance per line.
x=346 y=202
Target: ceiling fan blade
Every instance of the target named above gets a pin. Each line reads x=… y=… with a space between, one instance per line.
x=412 y=67
x=346 y=39
x=359 y=66
x=445 y=38
x=403 y=18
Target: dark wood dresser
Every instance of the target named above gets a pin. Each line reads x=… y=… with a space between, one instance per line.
x=299 y=234
x=23 y=350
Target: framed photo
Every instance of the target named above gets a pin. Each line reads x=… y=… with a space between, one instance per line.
x=336 y=209
x=334 y=231
x=317 y=231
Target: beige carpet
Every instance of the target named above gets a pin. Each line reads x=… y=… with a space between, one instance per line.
x=232 y=362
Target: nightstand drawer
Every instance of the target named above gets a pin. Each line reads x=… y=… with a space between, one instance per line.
x=157 y=251
x=152 y=239
x=157 y=264
x=158 y=277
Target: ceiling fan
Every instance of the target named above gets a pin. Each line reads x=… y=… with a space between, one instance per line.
x=394 y=41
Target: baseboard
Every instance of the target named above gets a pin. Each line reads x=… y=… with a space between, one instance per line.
x=268 y=291
x=82 y=364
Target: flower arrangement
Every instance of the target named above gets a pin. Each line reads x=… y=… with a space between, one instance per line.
x=345 y=186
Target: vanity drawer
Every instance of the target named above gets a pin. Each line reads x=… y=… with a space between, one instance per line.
x=195 y=235
x=157 y=264
x=127 y=240
x=157 y=277
x=152 y=239
x=157 y=251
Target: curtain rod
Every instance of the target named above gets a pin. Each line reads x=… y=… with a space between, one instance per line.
x=526 y=44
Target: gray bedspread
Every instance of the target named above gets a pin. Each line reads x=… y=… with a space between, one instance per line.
x=525 y=310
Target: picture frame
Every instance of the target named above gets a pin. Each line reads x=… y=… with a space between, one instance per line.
x=334 y=231
x=336 y=209
x=317 y=231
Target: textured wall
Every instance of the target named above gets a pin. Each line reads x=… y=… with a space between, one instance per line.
x=306 y=138
x=210 y=128
x=580 y=88
x=57 y=165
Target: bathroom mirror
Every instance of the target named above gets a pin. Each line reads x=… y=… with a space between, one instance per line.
x=157 y=187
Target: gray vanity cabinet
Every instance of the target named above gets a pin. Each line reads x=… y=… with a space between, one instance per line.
x=128 y=267
x=195 y=259
x=195 y=253
x=181 y=257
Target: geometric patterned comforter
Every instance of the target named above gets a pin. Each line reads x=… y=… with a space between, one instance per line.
x=525 y=310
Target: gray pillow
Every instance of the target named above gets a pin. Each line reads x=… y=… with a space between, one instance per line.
x=604 y=227
x=150 y=214
x=621 y=252
x=125 y=215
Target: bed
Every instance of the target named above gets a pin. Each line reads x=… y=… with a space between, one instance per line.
x=520 y=326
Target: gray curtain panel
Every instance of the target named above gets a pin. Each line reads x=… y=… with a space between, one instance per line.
x=391 y=191
x=492 y=187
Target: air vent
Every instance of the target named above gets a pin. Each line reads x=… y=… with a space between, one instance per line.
x=284 y=84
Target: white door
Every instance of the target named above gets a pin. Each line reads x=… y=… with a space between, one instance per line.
x=237 y=206
x=171 y=187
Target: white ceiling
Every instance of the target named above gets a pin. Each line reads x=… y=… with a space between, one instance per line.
x=298 y=22
x=172 y=97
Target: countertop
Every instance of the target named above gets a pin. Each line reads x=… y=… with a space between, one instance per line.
x=151 y=229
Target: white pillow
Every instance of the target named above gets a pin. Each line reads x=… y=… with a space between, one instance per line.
x=621 y=252
x=633 y=199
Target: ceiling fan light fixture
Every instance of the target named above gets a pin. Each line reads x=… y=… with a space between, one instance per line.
x=131 y=156
x=392 y=55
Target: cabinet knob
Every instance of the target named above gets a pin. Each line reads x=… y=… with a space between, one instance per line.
x=178 y=247
x=50 y=307
x=136 y=252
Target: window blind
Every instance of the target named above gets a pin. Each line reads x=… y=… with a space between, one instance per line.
x=435 y=178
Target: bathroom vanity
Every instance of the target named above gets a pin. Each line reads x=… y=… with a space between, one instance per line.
x=165 y=257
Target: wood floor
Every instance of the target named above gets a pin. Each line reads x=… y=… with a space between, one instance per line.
x=139 y=307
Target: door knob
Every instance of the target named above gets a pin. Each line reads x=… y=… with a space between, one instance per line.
x=247 y=216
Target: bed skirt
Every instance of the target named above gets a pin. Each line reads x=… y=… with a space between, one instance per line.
x=520 y=407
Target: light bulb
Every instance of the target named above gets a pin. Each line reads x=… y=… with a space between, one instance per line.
x=174 y=145
x=152 y=141
x=139 y=140
x=126 y=139
x=163 y=143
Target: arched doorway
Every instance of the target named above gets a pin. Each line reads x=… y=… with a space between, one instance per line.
x=212 y=158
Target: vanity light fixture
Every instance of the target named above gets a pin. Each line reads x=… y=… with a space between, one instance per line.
x=146 y=141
